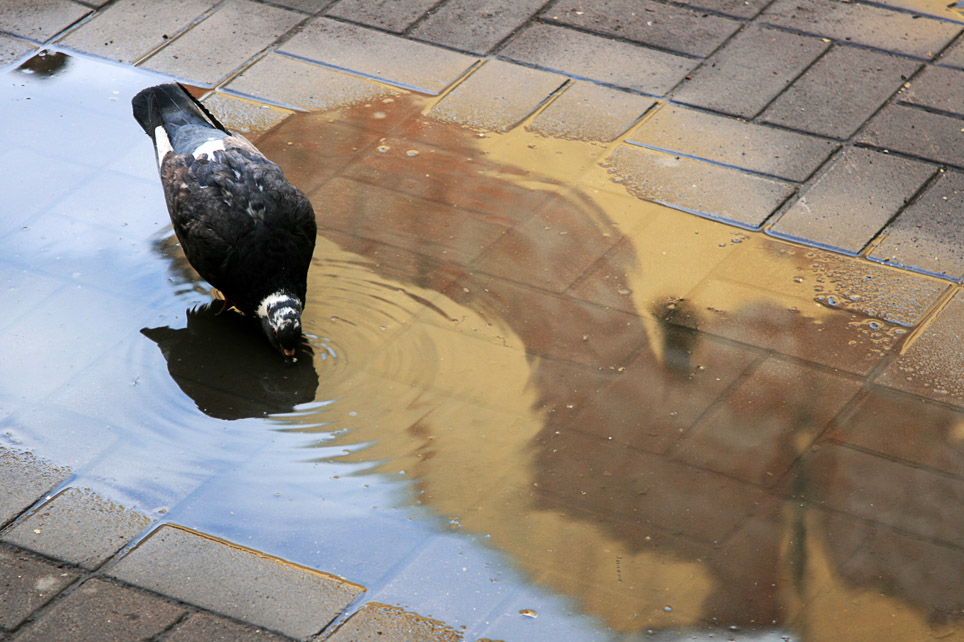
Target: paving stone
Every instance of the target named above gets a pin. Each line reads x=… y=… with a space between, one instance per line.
x=236 y=581
x=382 y=56
x=39 y=20
x=842 y=90
x=130 y=29
x=738 y=8
x=12 y=49
x=205 y=627
x=848 y=205
x=475 y=26
x=701 y=188
x=586 y=111
x=99 y=611
x=497 y=96
x=78 y=526
x=224 y=41
x=918 y=133
x=24 y=479
x=755 y=433
x=26 y=584
x=930 y=366
x=305 y=85
x=863 y=24
x=733 y=142
x=943 y=10
x=648 y=22
x=954 y=56
x=376 y=622
x=584 y=55
x=929 y=234
x=244 y=116
x=389 y=15
x=749 y=71
x=938 y=88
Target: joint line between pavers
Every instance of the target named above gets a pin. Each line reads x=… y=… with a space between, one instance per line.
x=360 y=74
x=881 y=234
x=842 y=42
x=522 y=25
x=912 y=12
x=418 y=21
x=574 y=76
x=46 y=497
x=671 y=152
x=792 y=81
x=610 y=36
x=918 y=270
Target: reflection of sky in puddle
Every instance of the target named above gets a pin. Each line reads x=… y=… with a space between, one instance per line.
x=522 y=388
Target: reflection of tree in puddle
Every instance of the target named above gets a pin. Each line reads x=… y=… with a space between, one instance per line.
x=646 y=455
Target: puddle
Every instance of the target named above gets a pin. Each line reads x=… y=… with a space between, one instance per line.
x=529 y=392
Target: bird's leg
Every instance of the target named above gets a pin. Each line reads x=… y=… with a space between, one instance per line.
x=225 y=304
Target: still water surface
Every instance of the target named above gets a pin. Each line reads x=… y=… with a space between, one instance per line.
x=527 y=393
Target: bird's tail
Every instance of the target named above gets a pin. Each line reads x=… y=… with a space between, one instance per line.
x=170 y=106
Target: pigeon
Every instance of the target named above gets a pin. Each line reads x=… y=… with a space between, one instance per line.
x=244 y=228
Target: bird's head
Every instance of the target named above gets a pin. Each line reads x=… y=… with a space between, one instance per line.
x=280 y=316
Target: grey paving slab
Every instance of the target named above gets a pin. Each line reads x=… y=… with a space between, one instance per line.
x=24 y=479
x=305 y=85
x=39 y=20
x=389 y=15
x=863 y=24
x=376 y=622
x=99 y=611
x=943 y=10
x=26 y=584
x=379 y=55
x=939 y=88
x=749 y=71
x=496 y=96
x=244 y=116
x=224 y=41
x=130 y=29
x=733 y=142
x=11 y=49
x=931 y=366
x=954 y=56
x=236 y=581
x=585 y=111
x=476 y=26
x=78 y=526
x=929 y=234
x=848 y=205
x=842 y=90
x=669 y=27
x=738 y=8
x=702 y=188
x=584 y=55
x=918 y=133
x=205 y=627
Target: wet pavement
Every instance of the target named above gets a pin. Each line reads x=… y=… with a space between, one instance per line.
x=618 y=327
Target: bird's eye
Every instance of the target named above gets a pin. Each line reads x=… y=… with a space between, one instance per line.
x=274 y=332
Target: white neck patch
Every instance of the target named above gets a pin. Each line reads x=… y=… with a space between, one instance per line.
x=277 y=299
x=209 y=148
x=161 y=143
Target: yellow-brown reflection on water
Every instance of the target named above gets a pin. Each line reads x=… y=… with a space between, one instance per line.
x=660 y=416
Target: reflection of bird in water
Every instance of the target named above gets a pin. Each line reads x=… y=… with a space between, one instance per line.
x=225 y=382
x=242 y=225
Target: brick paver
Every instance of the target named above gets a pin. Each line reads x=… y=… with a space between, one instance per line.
x=235 y=581
x=749 y=71
x=585 y=111
x=24 y=479
x=376 y=622
x=732 y=142
x=917 y=132
x=205 y=627
x=234 y=33
x=130 y=29
x=12 y=49
x=938 y=88
x=589 y=56
x=99 y=611
x=848 y=205
x=663 y=26
x=842 y=90
x=389 y=15
x=497 y=96
x=928 y=235
x=26 y=584
x=863 y=24
x=954 y=56
x=40 y=20
x=475 y=26
x=378 y=55
x=79 y=527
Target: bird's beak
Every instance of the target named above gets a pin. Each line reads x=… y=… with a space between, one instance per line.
x=289 y=355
